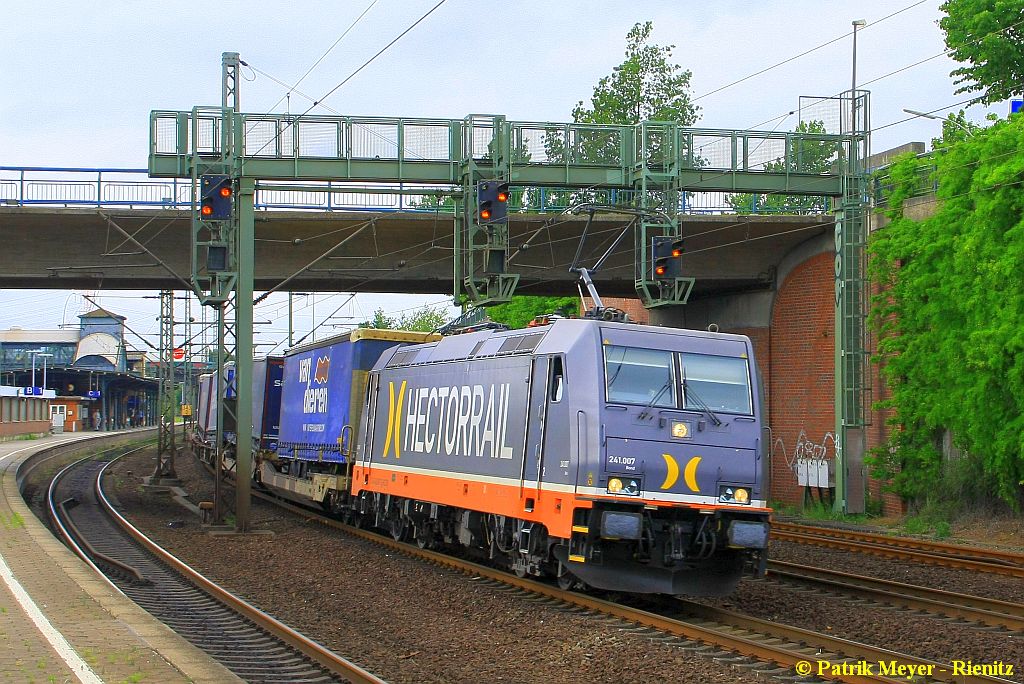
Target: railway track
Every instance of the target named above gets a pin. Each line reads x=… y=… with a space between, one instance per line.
x=771 y=648
x=956 y=607
x=902 y=548
x=253 y=645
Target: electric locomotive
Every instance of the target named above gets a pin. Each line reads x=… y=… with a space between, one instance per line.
x=620 y=456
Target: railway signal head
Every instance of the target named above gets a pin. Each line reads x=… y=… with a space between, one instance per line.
x=666 y=256
x=492 y=201
x=217 y=197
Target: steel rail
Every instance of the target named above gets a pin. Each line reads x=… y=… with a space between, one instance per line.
x=747 y=636
x=320 y=654
x=939 y=548
x=889 y=551
x=72 y=536
x=832 y=645
x=978 y=609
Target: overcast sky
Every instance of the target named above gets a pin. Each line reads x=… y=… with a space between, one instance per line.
x=79 y=79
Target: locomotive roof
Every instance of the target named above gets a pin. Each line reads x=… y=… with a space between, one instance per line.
x=395 y=336
x=557 y=337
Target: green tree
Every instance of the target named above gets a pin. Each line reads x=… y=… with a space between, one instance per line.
x=521 y=310
x=440 y=201
x=646 y=86
x=955 y=128
x=949 y=318
x=988 y=37
x=423 y=320
x=805 y=156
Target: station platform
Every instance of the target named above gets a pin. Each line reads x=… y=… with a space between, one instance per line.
x=59 y=620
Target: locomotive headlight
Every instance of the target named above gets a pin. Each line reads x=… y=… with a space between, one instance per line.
x=734 y=495
x=680 y=429
x=630 y=486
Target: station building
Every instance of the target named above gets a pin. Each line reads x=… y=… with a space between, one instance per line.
x=82 y=374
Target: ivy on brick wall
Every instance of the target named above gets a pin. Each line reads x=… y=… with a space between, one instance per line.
x=950 y=318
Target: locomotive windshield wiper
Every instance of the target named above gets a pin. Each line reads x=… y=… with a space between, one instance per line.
x=654 y=400
x=689 y=393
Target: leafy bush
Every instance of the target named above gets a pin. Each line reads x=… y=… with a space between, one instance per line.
x=951 y=319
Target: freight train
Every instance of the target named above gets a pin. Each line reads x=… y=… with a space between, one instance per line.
x=611 y=455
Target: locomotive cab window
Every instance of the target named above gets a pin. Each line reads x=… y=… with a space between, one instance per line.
x=557 y=379
x=639 y=376
x=720 y=383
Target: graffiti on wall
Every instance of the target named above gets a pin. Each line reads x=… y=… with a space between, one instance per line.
x=811 y=462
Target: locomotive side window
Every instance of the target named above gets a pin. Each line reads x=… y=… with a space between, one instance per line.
x=721 y=383
x=557 y=379
x=639 y=376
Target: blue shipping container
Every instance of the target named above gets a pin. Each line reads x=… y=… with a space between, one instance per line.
x=323 y=390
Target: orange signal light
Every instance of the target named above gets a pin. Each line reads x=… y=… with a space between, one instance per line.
x=502 y=197
x=660 y=270
x=225 y=191
x=206 y=210
x=485 y=214
x=677 y=252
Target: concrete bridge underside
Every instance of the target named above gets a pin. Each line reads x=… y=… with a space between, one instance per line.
x=79 y=248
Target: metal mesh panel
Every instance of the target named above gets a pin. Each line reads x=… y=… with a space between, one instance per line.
x=166 y=132
x=261 y=138
x=208 y=135
x=8 y=191
x=765 y=153
x=318 y=138
x=596 y=146
x=479 y=141
x=428 y=142
x=286 y=140
x=712 y=152
x=826 y=110
x=374 y=141
x=536 y=145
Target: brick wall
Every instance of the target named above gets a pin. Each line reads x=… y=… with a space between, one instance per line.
x=25 y=427
x=801 y=377
x=631 y=305
x=796 y=356
x=876 y=433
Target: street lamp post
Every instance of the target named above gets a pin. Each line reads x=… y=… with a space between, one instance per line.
x=34 y=353
x=926 y=115
x=857 y=23
x=44 y=357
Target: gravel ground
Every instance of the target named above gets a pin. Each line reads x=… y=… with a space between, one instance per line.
x=961 y=581
x=402 y=619
x=898 y=630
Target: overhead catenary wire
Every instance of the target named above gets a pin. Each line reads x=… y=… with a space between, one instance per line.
x=352 y=75
x=804 y=53
x=908 y=67
x=324 y=55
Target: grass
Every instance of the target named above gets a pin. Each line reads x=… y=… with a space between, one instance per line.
x=13 y=522
x=818 y=511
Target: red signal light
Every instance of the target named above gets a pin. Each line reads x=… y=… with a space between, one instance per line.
x=485 y=214
x=677 y=252
x=206 y=210
x=502 y=197
x=660 y=270
x=225 y=191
